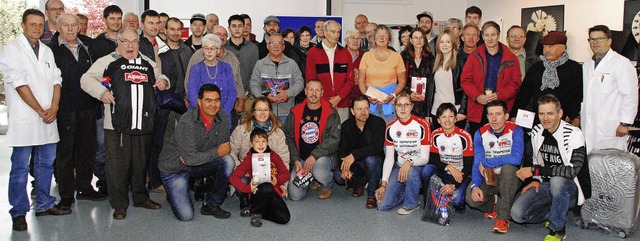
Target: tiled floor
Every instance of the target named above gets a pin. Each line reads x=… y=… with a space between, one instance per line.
x=341 y=217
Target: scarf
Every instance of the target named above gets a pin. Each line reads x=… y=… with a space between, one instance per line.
x=266 y=127
x=550 y=76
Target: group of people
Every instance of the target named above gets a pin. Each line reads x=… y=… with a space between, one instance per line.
x=359 y=115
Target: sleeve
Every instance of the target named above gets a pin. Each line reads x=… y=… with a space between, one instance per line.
x=254 y=85
x=279 y=145
x=344 y=147
x=237 y=77
x=628 y=89
x=236 y=176
x=230 y=90
x=400 y=68
x=517 y=150
x=425 y=145
x=91 y=81
x=330 y=137
x=57 y=75
x=578 y=158
x=524 y=96
x=572 y=109
x=187 y=145
x=434 y=160
x=468 y=79
x=512 y=76
x=283 y=172
x=195 y=58
x=375 y=145
x=236 y=143
x=364 y=61
x=478 y=154
x=389 y=156
x=14 y=74
x=345 y=91
x=298 y=82
x=193 y=87
x=294 y=154
x=466 y=169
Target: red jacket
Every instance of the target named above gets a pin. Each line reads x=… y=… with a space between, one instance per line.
x=473 y=74
x=277 y=168
x=318 y=68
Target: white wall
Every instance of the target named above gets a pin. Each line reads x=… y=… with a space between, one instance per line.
x=579 y=16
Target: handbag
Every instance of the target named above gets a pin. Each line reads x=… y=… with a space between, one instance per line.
x=170 y=100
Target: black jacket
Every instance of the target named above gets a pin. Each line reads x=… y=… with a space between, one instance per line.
x=368 y=142
x=101 y=46
x=174 y=66
x=461 y=97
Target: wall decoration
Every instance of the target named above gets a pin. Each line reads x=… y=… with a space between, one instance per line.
x=632 y=18
x=543 y=19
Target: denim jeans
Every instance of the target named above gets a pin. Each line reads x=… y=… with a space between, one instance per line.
x=44 y=155
x=98 y=165
x=405 y=193
x=457 y=198
x=369 y=167
x=177 y=186
x=550 y=203
x=323 y=173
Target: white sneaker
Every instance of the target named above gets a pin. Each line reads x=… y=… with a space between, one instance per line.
x=405 y=211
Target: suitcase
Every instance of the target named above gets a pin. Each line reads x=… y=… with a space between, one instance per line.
x=613 y=205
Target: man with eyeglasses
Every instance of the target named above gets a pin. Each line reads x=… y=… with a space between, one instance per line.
x=271 y=26
x=53 y=9
x=455 y=25
x=124 y=81
x=556 y=74
x=277 y=77
x=610 y=94
x=516 y=37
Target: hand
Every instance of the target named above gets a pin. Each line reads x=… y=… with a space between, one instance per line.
x=271 y=98
x=308 y=164
x=50 y=115
x=335 y=101
x=161 y=84
x=416 y=97
x=622 y=131
x=477 y=195
x=186 y=102
x=182 y=161
x=380 y=192
x=346 y=163
x=239 y=105
x=346 y=175
x=513 y=119
x=284 y=191
x=372 y=100
x=428 y=119
x=356 y=74
x=298 y=165
x=274 y=180
x=389 y=98
x=107 y=98
x=403 y=174
x=493 y=96
x=457 y=174
x=576 y=122
x=460 y=117
x=282 y=97
x=224 y=149
x=481 y=168
x=524 y=173
x=534 y=184
x=447 y=189
x=482 y=99
x=254 y=187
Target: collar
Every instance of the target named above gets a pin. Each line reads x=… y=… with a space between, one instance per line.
x=326 y=48
x=62 y=42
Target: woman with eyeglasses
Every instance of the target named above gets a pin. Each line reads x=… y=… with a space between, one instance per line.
x=418 y=60
x=212 y=71
x=445 y=85
x=261 y=117
x=382 y=69
x=407 y=144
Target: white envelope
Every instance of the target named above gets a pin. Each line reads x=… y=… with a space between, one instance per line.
x=525 y=118
x=261 y=167
x=376 y=94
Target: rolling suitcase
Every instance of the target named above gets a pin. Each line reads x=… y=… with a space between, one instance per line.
x=613 y=205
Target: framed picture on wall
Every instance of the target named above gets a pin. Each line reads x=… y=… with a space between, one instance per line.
x=543 y=19
x=632 y=18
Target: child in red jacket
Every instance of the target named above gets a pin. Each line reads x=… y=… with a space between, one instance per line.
x=265 y=198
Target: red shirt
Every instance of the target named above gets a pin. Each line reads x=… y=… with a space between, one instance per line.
x=207 y=123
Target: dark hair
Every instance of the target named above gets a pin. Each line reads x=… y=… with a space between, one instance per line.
x=257 y=132
x=163 y=14
x=516 y=26
x=472 y=10
x=490 y=24
x=549 y=98
x=425 y=49
x=149 y=13
x=497 y=103
x=360 y=97
x=111 y=9
x=301 y=30
x=235 y=17
x=173 y=19
x=406 y=28
x=287 y=31
x=207 y=88
x=245 y=16
x=82 y=16
x=446 y=106
x=601 y=28
x=31 y=11
x=314 y=80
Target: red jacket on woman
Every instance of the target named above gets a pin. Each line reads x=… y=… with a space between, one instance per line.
x=342 y=82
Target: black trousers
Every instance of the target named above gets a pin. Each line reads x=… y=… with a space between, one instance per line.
x=125 y=166
x=76 y=152
x=268 y=202
x=159 y=127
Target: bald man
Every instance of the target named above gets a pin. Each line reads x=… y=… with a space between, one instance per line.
x=53 y=10
x=212 y=20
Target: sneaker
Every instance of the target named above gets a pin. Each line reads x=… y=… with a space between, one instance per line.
x=500 y=226
x=491 y=215
x=556 y=236
x=324 y=193
x=19 y=223
x=256 y=220
x=91 y=195
x=405 y=211
x=215 y=211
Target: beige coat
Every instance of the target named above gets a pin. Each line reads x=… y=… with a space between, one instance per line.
x=241 y=144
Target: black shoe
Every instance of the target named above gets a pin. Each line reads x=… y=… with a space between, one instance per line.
x=460 y=209
x=55 y=210
x=19 y=223
x=148 y=204
x=65 y=203
x=215 y=211
x=245 y=212
x=120 y=213
x=102 y=187
x=256 y=220
x=198 y=196
x=91 y=195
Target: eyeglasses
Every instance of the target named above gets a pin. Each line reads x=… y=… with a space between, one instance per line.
x=276 y=44
x=261 y=110
x=127 y=42
x=596 y=40
x=210 y=48
x=516 y=36
x=403 y=106
x=452 y=29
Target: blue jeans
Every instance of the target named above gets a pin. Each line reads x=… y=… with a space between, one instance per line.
x=98 y=164
x=405 y=193
x=323 y=173
x=177 y=186
x=44 y=155
x=550 y=203
x=457 y=198
x=369 y=167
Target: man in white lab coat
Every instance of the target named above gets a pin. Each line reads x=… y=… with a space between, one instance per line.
x=610 y=94
x=32 y=85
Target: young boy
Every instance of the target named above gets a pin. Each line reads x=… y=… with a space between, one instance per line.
x=265 y=198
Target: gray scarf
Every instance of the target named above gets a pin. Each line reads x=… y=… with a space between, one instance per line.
x=550 y=76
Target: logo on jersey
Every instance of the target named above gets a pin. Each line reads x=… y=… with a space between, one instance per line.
x=491 y=144
x=136 y=77
x=504 y=143
x=398 y=134
x=310 y=132
x=412 y=133
x=442 y=148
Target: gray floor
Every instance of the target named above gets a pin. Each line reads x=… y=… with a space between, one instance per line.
x=341 y=217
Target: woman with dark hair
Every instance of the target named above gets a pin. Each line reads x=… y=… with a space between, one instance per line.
x=403 y=37
x=289 y=35
x=418 y=61
x=445 y=85
x=301 y=48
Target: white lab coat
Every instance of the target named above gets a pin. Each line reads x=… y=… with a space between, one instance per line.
x=610 y=96
x=19 y=66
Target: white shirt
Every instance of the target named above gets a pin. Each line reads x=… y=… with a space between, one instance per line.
x=330 y=53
